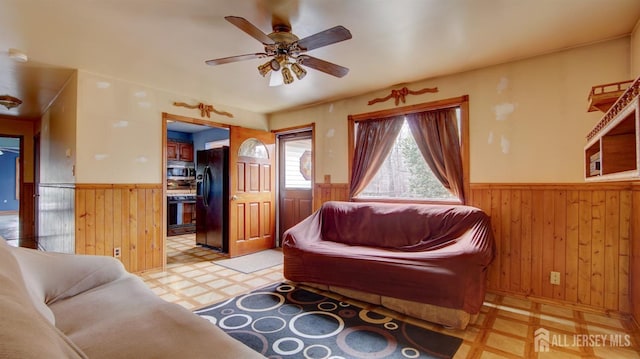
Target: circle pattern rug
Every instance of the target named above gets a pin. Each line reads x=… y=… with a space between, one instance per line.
x=286 y=321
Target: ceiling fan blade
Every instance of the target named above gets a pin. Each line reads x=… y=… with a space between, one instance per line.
x=324 y=66
x=226 y=60
x=324 y=38
x=244 y=25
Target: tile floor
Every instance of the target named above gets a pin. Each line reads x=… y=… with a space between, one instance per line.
x=193 y=281
x=504 y=329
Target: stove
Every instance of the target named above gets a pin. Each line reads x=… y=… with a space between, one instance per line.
x=181 y=213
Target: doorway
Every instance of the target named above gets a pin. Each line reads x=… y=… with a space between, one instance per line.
x=10 y=180
x=185 y=140
x=249 y=202
x=295 y=177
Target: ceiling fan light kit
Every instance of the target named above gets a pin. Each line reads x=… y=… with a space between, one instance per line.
x=9 y=101
x=299 y=71
x=286 y=50
x=286 y=75
x=275 y=64
x=265 y=68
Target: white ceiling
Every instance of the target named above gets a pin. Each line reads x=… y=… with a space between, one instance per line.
x=164 y=43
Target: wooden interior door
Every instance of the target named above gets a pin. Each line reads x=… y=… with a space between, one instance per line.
x=252 y=191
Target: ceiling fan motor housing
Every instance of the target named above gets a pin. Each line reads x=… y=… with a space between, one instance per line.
x=285 y=44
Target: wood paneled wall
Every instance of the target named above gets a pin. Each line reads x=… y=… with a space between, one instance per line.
x=56 y=220
x=125 y=216
x=589 y=232
x=324 y=192
x=27 y=216
x=582 y=231
x=635 y=254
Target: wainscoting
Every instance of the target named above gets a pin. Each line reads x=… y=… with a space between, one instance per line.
x=635 y=255
x=582 y=230
x=324 y=192
x=127 y=216
x=56 y=221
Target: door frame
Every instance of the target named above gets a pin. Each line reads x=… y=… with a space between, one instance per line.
x=23 y=216
x=286 y=131
x=166 y=117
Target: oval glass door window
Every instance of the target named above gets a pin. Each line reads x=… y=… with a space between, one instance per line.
x=254 y=148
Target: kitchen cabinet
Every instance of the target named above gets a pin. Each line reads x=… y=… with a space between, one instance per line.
x=179 y=151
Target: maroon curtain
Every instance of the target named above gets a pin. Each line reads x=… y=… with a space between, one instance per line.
x=374 y=140
x=437 y=136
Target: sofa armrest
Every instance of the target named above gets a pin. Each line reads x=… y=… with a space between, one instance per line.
x=55 y=276
x=306 y=232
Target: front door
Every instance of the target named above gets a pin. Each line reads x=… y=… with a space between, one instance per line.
x=252 y=191
x=295 y=178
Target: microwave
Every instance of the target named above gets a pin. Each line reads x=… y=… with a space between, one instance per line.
x=179 y=170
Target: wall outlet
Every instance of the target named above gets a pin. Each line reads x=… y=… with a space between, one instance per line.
x=116 y=252
x=554 y=278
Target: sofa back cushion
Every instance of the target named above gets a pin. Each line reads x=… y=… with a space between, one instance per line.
x=10 y=266
x=409 y=227
x=52 y=277
x=25 y=332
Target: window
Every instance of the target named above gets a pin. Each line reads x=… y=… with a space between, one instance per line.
x=254 y=148
x=297 y=162
x=405 y=174
x=392 y=168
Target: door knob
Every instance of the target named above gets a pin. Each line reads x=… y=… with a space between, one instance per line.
x=234 y=197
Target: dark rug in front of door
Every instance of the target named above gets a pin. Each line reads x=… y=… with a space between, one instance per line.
x=286 y=321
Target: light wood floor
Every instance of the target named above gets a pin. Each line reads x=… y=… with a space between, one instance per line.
x=504 y=329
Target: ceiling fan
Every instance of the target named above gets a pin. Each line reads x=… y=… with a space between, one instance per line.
x=287 y=51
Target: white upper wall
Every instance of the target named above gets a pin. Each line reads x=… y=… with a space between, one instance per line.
x=528 y=118
x=119 y=128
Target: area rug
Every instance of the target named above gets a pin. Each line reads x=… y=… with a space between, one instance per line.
x=286 y=321
x=252 y=262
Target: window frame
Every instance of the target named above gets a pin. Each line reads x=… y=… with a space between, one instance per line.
x=462 y=102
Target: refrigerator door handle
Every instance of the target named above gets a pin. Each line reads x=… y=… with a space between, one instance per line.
x=206 y=186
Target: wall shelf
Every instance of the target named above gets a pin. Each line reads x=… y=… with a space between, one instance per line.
x=602 y=97
x=612 y=152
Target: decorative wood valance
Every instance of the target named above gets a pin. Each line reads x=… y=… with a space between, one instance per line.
x=401 y=94
x=205 y=110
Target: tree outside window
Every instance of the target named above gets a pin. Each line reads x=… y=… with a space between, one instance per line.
x=405 y=174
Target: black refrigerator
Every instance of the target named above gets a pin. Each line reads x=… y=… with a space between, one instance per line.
x=212 y=198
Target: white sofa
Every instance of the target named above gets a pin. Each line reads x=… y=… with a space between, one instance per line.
x=55 y=305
